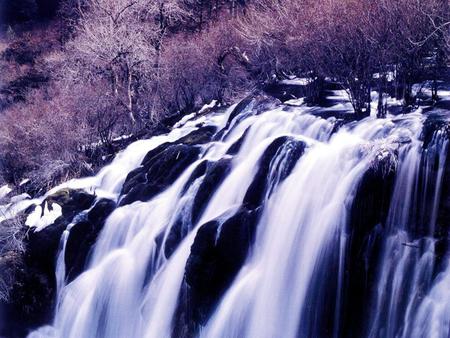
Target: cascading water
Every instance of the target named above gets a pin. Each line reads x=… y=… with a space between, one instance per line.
x=253 y=236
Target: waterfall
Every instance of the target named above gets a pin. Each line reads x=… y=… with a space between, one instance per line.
x=253 y=237
x=60 y=270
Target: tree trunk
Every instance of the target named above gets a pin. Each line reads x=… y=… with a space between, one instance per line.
x=381 y=109
x=130 y=96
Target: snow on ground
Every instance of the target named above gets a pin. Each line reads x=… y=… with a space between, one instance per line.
x=390 y=76
x=41 y=217
x=295 y=102
x=210 y=105
x=123 y=137
x=24 y=181
x=302 y=81
x=184 y=120
x=4 y=190
x=11 y=210
x=340 y=95
x=18 y=198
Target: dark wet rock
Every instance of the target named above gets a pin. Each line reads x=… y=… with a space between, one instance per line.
x=31 y=305
x=199 y=136
x=214 y=174
x=443 y=219
x=155 y=152
x=285 y=92
x=198 y=172
x=236 y=146
x=83 y=236
x=434 y=122
x=221 y=247
x=42 y=246
x=367 y=220
x=239 y=109
x=32 y=298
x=71 y=201
x=161 y=170
x=319 y=319
x=259 y=187
x=251 y=105
x=217 y=254
x=134 y=178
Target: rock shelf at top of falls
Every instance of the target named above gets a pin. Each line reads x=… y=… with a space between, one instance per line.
x=261 y=220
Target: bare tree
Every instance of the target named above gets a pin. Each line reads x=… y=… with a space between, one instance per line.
x=113 y=43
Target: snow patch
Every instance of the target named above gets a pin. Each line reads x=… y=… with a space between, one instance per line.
x=4 y=190
x=295 y=102
x=41 y=218
x=210 y=105
x=11 y=210
x=123 y=137
x=184 y=120
x=19 y=198
x=302 y=81
x=24 y=181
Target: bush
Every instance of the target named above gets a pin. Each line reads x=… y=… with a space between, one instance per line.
x=12 y=234
x=201 y=67
x=42 y=136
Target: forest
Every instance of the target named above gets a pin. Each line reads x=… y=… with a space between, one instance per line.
x=77 y=73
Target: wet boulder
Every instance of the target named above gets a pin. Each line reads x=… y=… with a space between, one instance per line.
x=138 y=175
x=201 y=135
x=198 y=172
x=161 y=170
x=442 y=233
x=134 y=178
x=83 y=236
x=31 y=302
x=240 y=107
x=214 y=174
x=253 y=104
x=236 y=146
x=285 y=91
x=289 y=151
x=71 y=201
x=366 y=231
x=434 y=122
x=42 y=246
x=32 y=298
x=218 y=252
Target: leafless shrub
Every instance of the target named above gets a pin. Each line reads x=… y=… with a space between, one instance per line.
x=37 y=133
x=122 y=65
x=12 y=246
x=347 y=41
x=12 y=234
x=202 y=67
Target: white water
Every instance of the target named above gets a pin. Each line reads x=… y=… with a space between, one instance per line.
x=407 y=263
x=130 y=289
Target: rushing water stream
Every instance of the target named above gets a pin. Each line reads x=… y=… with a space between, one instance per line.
x=290 y=182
